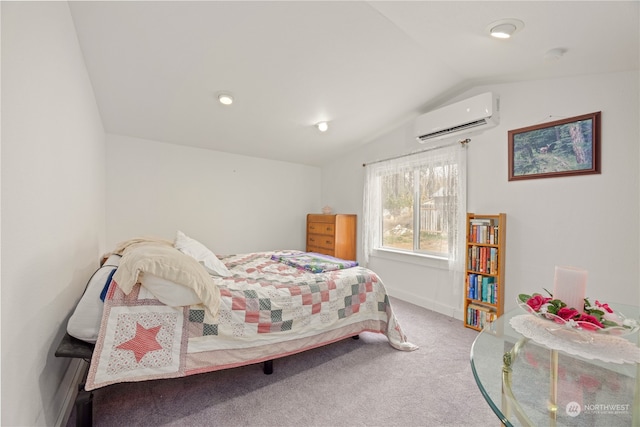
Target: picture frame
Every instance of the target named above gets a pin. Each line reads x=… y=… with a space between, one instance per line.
x=563 y=147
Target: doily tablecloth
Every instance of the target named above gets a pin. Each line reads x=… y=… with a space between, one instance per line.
x=608 y=348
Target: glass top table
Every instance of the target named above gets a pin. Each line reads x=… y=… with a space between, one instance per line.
x=530 y=384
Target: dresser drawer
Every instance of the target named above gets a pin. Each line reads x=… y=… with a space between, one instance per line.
x=320 y=241
x=319 y=250
x=321 y=228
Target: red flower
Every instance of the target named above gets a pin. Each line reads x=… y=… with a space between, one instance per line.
x=589 y=383
x=567 y=313
x=562 y=372
x=589 y=319
x=605 y=306
x=531 y=359
x=537 y=301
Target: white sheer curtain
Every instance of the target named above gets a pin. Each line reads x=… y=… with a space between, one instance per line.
x=454 y=192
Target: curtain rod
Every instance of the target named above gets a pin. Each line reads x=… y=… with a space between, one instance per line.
x=462 y=142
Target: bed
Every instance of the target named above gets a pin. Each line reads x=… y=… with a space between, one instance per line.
x=173 y=309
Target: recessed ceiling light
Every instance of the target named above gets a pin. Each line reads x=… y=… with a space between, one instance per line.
x=503 y=31
x=505 y=28
x=322 y=126
x=225 y=99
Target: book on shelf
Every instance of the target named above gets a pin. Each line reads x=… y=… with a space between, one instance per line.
x=486 y=288
x=479 y=316
x=482 y=288
x=484 y=231
x=482 y=259
x=493 y=260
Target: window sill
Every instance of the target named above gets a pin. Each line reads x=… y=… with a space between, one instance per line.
x=412 y=258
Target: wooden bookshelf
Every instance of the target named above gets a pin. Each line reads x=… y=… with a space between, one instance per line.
x=484 y=272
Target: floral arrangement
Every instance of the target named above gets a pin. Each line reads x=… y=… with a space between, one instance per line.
x=592 y=317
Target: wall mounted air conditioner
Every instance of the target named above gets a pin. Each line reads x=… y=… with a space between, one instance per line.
x=471 y=115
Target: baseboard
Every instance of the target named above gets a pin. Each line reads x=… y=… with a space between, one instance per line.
x=426 y=303
x=72 y=378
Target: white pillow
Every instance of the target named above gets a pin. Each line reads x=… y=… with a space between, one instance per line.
x=168 y=292
x=201 y=253
x=84 y=323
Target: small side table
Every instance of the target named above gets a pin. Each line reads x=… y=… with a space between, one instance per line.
x=526 y=383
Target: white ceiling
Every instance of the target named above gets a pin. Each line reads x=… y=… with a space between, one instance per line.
x=365 y=67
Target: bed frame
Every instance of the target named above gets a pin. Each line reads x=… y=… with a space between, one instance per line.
x=77 y=349
x=374 y=319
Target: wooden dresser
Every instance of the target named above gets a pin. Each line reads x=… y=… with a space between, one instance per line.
x=333 y=235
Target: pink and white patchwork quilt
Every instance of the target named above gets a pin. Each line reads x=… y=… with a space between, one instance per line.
x=268 y=310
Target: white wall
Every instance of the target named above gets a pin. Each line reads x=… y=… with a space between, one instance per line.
x=53 y=202
x=53 y=194
x=586 y=221
x=231 y=203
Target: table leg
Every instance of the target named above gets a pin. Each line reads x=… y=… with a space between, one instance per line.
x=553 y=388
x=506 y=383
x=636 y=399
x=508 y=399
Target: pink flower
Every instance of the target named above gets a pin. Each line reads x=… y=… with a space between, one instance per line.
x=531 y=359
x=604 y=306
x=536 y=301
x=567 y=313
x=589 y=383
x=612 y=317
x=562 y=372
x=614 y=383
x=589 y=319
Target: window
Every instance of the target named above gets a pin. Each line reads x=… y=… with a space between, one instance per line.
x=417 y=204
x=413 y=209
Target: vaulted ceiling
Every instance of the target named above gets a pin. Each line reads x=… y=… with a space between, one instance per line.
x=157 y=67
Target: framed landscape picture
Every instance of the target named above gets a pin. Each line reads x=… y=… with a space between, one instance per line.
x=559 y=148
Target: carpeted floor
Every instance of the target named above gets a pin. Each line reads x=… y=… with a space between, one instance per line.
x=361 y=382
